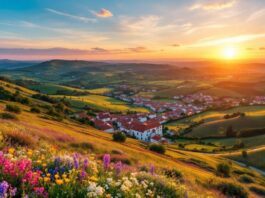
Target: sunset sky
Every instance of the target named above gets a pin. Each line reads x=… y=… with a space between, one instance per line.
x=132 y=29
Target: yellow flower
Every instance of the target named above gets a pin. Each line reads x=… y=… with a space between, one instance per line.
x=108 y=196
x=11 y=150
x=46 y=179
x=64 y=176
x=44 y=164
x=59 y=181
x=48 y=174
x=67 y=180
x=29 y=152
x=38 y=161
x=93 y=178
x=56 y=176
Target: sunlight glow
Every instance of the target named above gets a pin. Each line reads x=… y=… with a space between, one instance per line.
x=229 y=52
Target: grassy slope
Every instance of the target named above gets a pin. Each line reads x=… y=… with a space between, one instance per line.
x=66 y=132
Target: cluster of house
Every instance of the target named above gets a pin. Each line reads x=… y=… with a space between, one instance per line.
x=145 y=127
x=149 y=127
x=257 y=100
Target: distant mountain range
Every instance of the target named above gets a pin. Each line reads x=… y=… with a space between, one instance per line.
x=7 y=64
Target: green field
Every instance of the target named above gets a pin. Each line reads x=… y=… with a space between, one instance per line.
x=249 y=142
x=255 y=158
x=102 y=103
x=214 y=124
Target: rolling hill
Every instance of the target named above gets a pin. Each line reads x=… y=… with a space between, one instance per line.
x=197 y=169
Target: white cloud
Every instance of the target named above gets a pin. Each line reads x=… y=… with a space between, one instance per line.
x=256 y=15
x=213 y=5
x=80 y=18
x=227 y=40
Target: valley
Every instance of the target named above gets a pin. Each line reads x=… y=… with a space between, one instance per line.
x=195 y=122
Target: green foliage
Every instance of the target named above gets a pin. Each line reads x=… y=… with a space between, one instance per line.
x=232 y=190
x=34 y=110
x=159 y=148
x=163 y=187
x=173 y=173
x=83 y=146
x=13 y=108
x=45 y=98
x=8 y=116
x=223 y=170
x=258 y=190
x=246 y=179
x=119 y=137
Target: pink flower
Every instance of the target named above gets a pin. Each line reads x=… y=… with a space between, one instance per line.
x=32 y=178
x=106 y=161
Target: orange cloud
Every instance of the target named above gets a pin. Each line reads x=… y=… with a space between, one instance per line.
x=103 y=13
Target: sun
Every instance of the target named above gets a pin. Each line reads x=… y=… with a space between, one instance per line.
x=229 y=52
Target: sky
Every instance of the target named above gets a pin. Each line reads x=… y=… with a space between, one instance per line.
x=132 y=29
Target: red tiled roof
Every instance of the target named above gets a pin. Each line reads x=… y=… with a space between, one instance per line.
x=156 y=137
x=102 y=125
x=103 y=115
x=141 y=127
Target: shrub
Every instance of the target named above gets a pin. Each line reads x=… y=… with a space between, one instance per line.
x=241 y=172
x=34 y=110
x=164 y=188
x=20 y=138
x=173 y=173
x=13 y=108
x=246 y=179
x=232 y=190
x=258 y=190
x=83 y=145
x=119 y=137
x=8 y=116
x=157 y=148
x=223 y=170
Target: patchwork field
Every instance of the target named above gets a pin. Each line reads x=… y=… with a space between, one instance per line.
x=101 y=103
x=214 y=124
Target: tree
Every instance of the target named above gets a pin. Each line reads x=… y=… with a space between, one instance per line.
x=223 y=170
x=157 y=148
x=245 y=157
x=119 y=137
x=230 y=131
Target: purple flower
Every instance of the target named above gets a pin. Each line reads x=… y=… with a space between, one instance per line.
x=106 y=161
x=83 y=174
x=76 y=161
x=3 y=188
x=85 y=163
x=118 y=167
x=152 y=169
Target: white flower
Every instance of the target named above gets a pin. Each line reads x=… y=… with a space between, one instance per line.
x=109 y=180
x=94 y=190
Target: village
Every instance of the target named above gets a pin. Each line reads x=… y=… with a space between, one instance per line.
x=149 y=127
